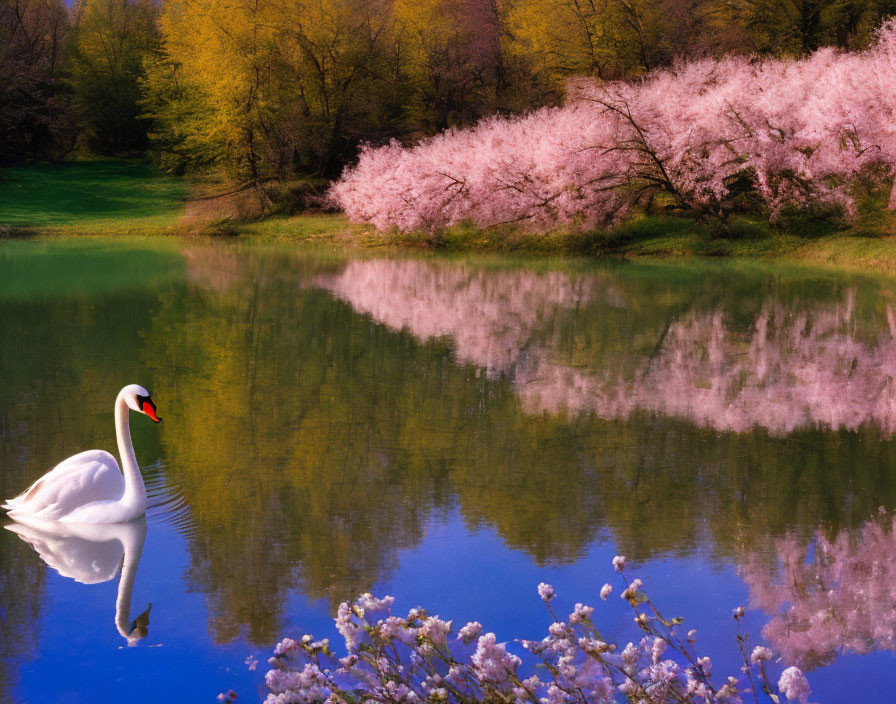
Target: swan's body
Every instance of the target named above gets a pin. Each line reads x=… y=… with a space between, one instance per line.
x=90 y=487
x=91 y=554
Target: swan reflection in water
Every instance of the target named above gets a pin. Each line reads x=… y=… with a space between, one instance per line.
x=91 y=554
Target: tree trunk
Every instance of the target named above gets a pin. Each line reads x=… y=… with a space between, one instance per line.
x=892 y=204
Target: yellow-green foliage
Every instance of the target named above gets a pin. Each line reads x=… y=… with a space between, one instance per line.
x=272 y=88
x=269 y=87
x=185 y=128
x=110 y=42
x=568 y=37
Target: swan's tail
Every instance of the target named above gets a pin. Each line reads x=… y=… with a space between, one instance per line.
x=18 y=501
x=11 y=504
x=14 y=503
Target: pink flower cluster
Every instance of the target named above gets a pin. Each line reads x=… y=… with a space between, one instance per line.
x=421 y=658
x=556 y=164
x=787 y=131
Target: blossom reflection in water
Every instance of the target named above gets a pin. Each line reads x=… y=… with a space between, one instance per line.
x=789 y=369
x=831 y=595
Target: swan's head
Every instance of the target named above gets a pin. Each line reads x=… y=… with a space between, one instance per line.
x=138 y=399
x=139 y=628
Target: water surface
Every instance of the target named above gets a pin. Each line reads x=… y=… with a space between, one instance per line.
x=451 y=432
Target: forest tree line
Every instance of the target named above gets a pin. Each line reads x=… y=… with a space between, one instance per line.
x=268 y=90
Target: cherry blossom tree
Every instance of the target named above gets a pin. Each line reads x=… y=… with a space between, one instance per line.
x=703 y=133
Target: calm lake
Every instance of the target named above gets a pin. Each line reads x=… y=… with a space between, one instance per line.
x=451 y=432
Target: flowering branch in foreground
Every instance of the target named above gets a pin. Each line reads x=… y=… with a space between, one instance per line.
x=421 y=658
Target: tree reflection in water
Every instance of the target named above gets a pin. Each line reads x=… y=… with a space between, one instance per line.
x=21 y=592
x=787 y=370
x=674 y=411
x=297 y=416
x=830 y=595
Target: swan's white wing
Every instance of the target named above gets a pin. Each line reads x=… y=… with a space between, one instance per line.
x=72 y=464
x=86 y=477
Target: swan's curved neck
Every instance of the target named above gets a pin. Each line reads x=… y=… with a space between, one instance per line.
x=134 y=491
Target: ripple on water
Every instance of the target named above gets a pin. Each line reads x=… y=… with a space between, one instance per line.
x=166 y=503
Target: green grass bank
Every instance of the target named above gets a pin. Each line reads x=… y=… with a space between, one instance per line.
x=105 y=197
x=114 y=197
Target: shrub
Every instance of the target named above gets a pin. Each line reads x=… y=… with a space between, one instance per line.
x=421 y=658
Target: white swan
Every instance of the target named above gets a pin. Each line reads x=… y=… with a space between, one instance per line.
x=89 y=487
x=91 y=554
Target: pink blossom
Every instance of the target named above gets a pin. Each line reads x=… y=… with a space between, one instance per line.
x=760 y=654
x=287 y=645
x=581 y=613
x=394 y=628
x=527 y=687
x=306 y=685
x=706 y=665
x=794 y=685
x=470 y=631
x=581 y=668
x=493 y=664
x=435 y=630
x=631 y=590
x=546 y=592
x=728 y=692
x=558 y=629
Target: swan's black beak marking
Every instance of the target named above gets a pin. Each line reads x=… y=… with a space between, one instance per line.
x=149 y=407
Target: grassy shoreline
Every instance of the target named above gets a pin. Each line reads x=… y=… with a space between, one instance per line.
x=114 y=198
x=860 y=253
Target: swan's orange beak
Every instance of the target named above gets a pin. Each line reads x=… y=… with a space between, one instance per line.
x=149 y=408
